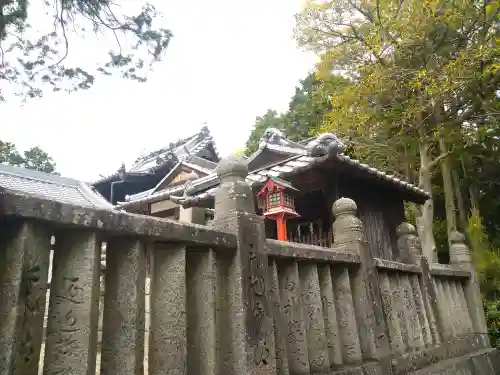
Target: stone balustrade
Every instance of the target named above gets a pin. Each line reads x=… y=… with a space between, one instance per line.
x=180 y=298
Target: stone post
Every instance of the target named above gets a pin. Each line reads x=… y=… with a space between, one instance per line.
x=460 y=255
x=251 y=323
x=410 y=249
x=195 y=215
x=348 y=232
x=409 y=246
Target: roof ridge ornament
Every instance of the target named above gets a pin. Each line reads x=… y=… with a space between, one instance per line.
x=205 y=131
x=326 y=143
x=272 y=136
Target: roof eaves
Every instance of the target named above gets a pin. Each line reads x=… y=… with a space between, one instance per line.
x=161 y=195
x=288 y=150
x=136 y=196
x=197 y=167
x=383 y=176
x=116 y=175
x=296 y=165
x=93 y=197
x=259 y=151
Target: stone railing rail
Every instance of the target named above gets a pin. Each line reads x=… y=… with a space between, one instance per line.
x=224 y=299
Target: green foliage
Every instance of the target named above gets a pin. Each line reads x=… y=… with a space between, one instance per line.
x=34 y=158
x=441 y=238
x=39 y=63
x=492 y=313
x=418 y=70
x=487 y=262
x=486 y=259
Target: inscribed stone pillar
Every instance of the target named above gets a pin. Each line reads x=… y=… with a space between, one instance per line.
x=393 y=321
x=24 y=264
x=411 y=249
x=280 y=326
x=123 y=317
x=443 y=309
x=317 y=343
x=460 y=254
x=330 y=315
x=298 y=356
x=251 y=324
x=201 y=312
x=168 y=336
x=349 y=236
x=348 y=327
x=71 y=342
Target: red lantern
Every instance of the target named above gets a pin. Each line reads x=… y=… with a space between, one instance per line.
x=277 y=200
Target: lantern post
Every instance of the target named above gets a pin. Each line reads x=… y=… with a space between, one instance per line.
x=277 y=199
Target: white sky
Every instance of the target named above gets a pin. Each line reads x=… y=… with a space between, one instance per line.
x=228 y=62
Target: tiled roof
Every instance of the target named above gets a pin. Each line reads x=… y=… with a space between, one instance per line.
x=53 y=187
x=302 y=157
x=193 y=162
x=192 y=145
x=149 y=197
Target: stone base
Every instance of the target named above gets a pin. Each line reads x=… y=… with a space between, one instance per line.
x=484 y=362
x=454 y=348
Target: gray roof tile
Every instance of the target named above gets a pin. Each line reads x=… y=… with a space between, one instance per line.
x=318 y=150
x=53 y=187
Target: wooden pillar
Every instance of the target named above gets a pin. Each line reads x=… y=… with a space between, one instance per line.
x=281 y=226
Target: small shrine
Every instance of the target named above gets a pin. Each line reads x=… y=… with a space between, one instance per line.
x=296 y=184
x=277 y=202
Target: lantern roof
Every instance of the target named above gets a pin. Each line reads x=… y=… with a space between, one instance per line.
x=282 y=182
x=276 y=181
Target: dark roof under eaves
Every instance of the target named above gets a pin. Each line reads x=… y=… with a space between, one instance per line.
x=50 y=186
x=325 y=147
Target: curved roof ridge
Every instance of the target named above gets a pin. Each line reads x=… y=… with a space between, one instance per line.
x=195 y=143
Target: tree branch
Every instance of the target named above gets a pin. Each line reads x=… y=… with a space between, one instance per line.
x=436 y=161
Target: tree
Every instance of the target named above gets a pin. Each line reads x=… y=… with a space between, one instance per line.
x=33 y=64
x=34 y=158
x=421 y=73
x=306 y=110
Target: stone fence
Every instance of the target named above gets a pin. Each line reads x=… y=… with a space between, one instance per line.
x=224 y=299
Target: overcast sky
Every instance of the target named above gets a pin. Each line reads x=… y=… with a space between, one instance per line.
x=228 y=62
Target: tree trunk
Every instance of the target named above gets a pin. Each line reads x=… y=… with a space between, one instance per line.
x=407 y=166
x=424 y=221
x=473 y=196
x=462 y=210
x=449 y=195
